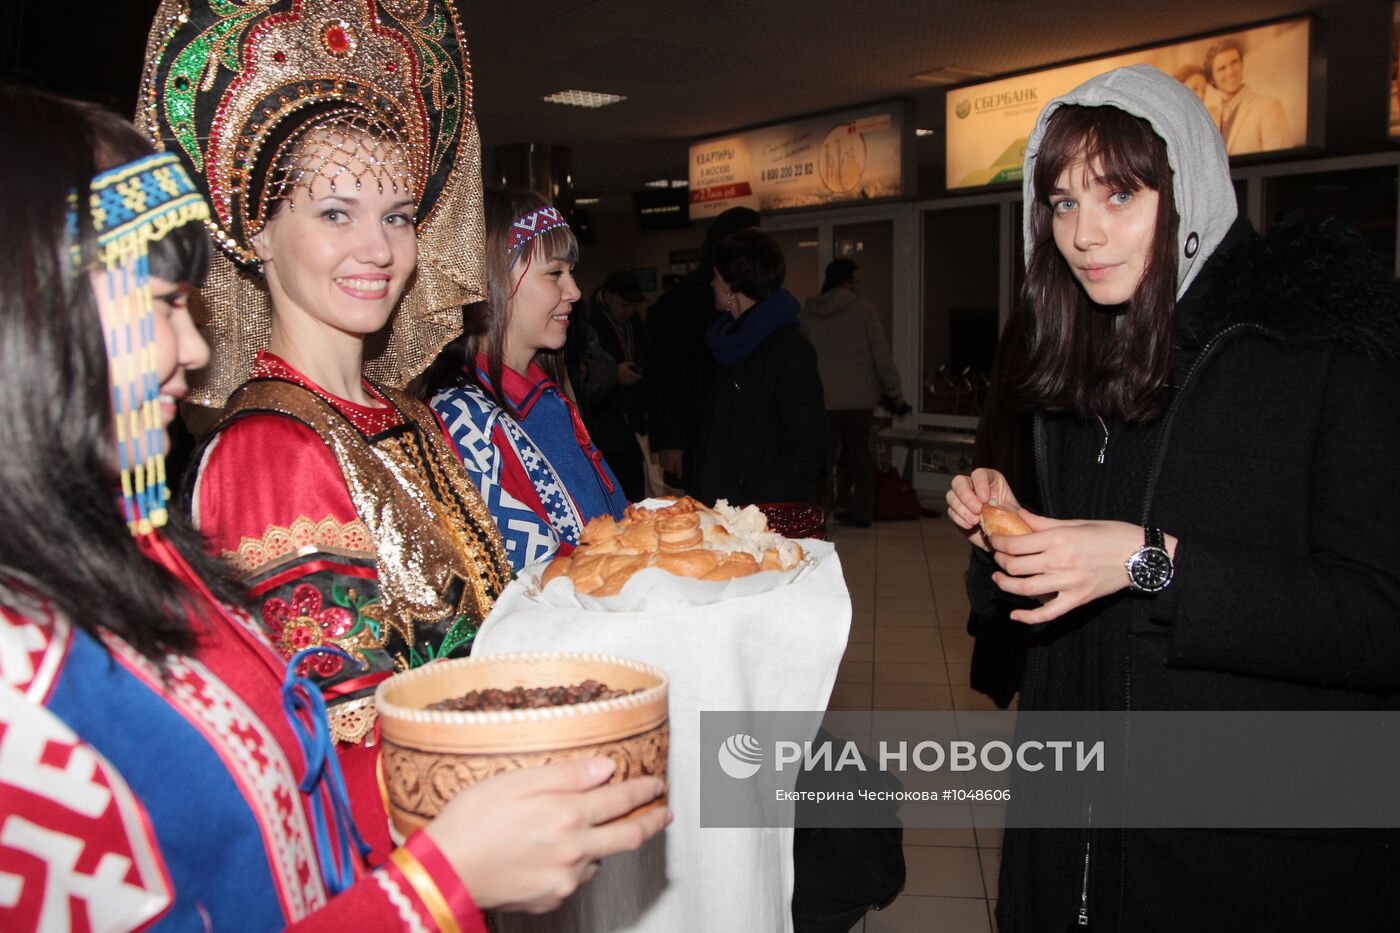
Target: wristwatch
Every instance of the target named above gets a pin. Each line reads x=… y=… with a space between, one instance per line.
x=1150 y=569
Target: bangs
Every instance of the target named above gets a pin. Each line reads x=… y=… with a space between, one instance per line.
x=1117 y=148
x=557 y=243
x=182 y=255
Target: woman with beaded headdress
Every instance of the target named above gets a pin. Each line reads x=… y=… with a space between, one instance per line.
x=150 y=743
x=336 y=142
x=504 y=396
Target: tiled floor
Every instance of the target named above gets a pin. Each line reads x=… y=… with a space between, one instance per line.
x=908 y=650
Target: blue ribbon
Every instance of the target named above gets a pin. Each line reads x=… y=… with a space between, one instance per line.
x=324 y=783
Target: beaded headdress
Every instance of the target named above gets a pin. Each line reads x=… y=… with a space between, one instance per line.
x=232 y=86
x=530 y=225
x=132 y=206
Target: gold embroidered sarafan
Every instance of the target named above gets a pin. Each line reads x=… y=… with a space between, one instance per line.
x=425 y=517
x=439 y=557
x=227 y=83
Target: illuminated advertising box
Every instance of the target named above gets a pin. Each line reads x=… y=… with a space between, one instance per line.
x=1254 y=82
x=852 y=155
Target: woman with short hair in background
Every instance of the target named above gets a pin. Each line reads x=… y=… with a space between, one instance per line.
x=765 y=427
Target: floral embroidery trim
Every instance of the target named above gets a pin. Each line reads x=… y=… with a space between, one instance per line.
x=352 y=722
x=279 y=543
x=351 y=622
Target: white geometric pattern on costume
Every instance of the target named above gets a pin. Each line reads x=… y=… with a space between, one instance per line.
x=253 y=760
x=31 y=654
x=554 y=495
x=80 y=812
x=472 y=424
x=541 y=545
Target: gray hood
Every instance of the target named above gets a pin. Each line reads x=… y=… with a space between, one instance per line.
x=1204 y=194
x=828 y=303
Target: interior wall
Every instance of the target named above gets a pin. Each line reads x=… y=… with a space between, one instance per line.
x=620 y=243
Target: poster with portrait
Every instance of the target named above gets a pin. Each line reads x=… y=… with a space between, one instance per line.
x=1253 y=82
x=1395 y=71
x=852 y=155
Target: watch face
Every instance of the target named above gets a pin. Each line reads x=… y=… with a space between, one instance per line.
x=1150 y=569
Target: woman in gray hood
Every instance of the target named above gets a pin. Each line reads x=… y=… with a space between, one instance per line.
x=1216 y=413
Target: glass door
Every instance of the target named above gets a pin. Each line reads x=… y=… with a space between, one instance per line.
x=879 y=241
x=802 y=252
x=870 y=245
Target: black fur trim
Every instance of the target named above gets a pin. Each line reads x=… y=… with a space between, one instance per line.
x=1310 y=281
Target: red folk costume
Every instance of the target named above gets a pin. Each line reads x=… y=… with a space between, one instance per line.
x=354 y=526
x=194 y=819
x=82 y=794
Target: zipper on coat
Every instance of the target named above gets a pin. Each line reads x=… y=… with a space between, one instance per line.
x=1041 y=458
x=1083 y=918
x=1103 y=448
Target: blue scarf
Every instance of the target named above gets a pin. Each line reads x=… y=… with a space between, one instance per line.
x=730 y=340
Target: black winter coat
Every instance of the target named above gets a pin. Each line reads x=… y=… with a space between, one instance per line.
x=615 y=419
x=765 y=426
x=679 y=368
x=1274 y=468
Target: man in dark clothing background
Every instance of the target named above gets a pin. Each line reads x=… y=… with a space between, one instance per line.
x=679 y=365
x=615 y=419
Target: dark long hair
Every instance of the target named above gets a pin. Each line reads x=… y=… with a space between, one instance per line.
x=65 y=540
x=1086 y=359
x=485 y=322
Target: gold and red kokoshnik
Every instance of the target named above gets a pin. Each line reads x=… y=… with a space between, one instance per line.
x=229 y=82
x=231 y=85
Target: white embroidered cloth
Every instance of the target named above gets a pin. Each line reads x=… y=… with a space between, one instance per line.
x=772 y=650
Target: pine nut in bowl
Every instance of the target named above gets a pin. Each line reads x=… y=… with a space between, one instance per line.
x=567 y=706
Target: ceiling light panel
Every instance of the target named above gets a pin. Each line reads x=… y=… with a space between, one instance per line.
x=573 y=98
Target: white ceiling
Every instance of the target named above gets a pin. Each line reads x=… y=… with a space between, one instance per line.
x=694 y=69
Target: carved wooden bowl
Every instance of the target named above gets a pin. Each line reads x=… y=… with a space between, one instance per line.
x=427 y=756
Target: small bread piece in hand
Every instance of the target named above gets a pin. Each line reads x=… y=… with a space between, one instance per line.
x=997 y=520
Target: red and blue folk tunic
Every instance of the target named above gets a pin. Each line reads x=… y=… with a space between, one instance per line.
x=355 y=527
x=134 y=797
x=540 y=474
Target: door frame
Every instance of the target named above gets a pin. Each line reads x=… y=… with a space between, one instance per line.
x=905 y=315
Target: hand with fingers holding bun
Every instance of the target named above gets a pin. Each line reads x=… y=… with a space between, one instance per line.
x=981 y=504
x=1065 y=563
